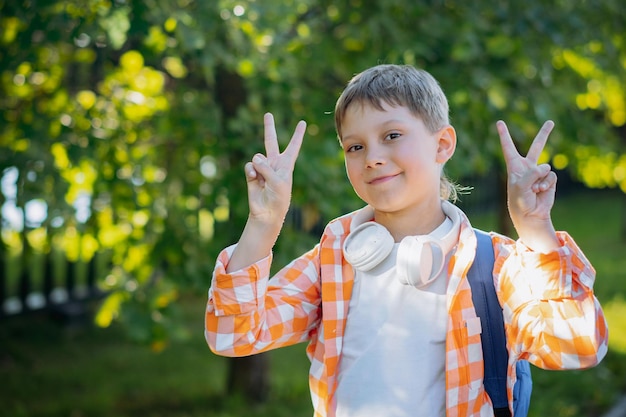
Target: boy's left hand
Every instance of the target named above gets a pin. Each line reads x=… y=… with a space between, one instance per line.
x=531 y=189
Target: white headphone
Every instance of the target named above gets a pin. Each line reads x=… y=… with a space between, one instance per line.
x=419 y=262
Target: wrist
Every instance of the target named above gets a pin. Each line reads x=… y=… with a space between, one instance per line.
x=256 y=242
x=539 y=236
x=261 y=227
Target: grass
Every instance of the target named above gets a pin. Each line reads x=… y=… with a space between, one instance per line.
x=49 y=369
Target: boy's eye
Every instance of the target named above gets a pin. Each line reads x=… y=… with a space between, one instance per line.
x=392 y=136
x=354 y=148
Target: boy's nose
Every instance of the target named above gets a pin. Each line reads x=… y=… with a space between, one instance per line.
x=374 y=157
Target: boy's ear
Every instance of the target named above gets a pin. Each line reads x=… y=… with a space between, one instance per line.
x=446 y=144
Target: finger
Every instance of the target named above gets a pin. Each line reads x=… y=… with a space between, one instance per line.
x=293 y=149
x=251 y=173
x=262 y=167
x=545 y=183
x=534 y=175
x=540 y=141
x=506 y=142
x=271 y=141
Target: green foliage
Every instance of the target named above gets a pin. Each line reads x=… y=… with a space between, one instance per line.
x=141 y=114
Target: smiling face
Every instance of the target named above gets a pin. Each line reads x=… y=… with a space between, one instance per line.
x=393 y=161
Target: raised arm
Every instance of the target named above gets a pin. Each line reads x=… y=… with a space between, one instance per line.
x=530 y=190
x=269 y=178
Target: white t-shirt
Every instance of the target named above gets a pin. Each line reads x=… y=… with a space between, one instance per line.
x=393 y=355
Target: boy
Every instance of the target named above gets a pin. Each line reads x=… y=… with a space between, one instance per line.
x=383 y=299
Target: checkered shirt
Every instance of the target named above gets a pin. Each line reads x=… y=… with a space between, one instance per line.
x=551 y=315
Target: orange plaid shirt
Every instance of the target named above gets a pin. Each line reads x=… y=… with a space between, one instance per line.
x=552 y=317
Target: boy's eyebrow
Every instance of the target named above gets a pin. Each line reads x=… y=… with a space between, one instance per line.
x=342 y=138
x=382 y=125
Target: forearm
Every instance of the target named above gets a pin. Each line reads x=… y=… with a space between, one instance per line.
x=539 y=236
x=256 y=242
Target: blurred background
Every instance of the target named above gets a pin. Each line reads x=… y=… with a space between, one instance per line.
x=124 y=128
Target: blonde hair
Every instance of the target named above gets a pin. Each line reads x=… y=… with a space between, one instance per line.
x=400 y=85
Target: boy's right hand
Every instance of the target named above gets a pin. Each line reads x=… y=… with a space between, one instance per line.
x=269 y=180
x=270 y=176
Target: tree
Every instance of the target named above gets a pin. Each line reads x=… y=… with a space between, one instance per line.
x=130 y=122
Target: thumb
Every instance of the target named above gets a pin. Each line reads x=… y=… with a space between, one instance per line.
x=253 y=178
x=261 y=166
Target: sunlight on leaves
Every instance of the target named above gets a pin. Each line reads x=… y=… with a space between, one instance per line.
x=117 y=25
x=11 y=26
x=174 y=66
x=12 y=240
x=38 y=239
x=615 y=311
x=156 y=39
x=86 y=56
x=496 y=98
x=70 y=242
x=585 y=67
x=206 y=224
x=500 y=45
x=81 y=180
x=140 y=218
x=137 y=257
x=170 y=24
x=59 y=154
x=602 y=89
x=86 y=99
x=166 y=298
x=89 y=246
x=132 y=62
x=601 y=170
x=113 y=234
x=353 y=44
x=247 y=27
x=110 y=309
x=245 y=68
x=221 y=214
x=57 y=103
x=560 y=161
x=304 y=31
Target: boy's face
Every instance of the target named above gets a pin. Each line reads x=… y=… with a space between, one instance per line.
x=393 y=161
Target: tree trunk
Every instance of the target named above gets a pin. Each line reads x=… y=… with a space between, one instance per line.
x=247 y=376
x=505 y=225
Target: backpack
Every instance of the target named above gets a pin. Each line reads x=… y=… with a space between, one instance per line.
x=493 y=338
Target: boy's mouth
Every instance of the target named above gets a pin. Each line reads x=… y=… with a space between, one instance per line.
x=382 y=179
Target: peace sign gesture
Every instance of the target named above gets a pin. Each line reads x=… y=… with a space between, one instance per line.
x=531 y=187
x=269 y=176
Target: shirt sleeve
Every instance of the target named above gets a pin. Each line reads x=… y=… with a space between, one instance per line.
x=552 y=316
x=247 y=312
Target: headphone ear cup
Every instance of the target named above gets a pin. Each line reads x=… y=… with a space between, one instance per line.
x=419 y=260
x=367 y=246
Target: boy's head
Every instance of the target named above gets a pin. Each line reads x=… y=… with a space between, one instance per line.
x=397 y=85
x=405 y=86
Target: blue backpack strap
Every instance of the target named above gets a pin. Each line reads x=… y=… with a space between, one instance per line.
x=493 y=338
x=523 y=389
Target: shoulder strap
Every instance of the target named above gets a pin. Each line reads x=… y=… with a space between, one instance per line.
x=493 y=338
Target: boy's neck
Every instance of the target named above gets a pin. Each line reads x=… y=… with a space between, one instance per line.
x=418 y=220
